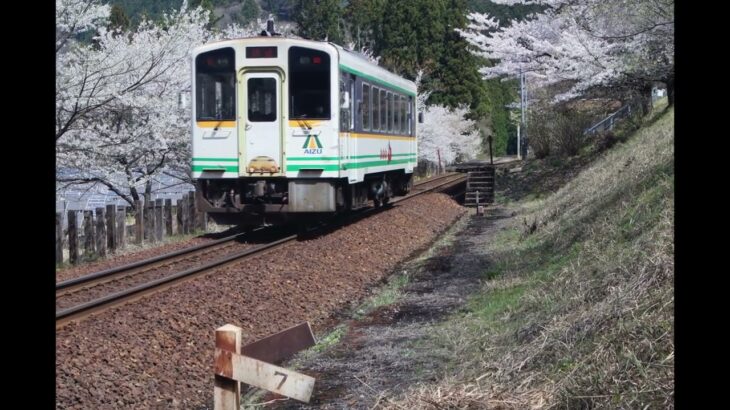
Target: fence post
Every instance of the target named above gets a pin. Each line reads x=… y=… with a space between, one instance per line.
x=168 y=216
x=179 y=215
x=159 y=223
x=138 y=222
x=186 y=214
x=111 y=228
x=149 y=218
x=191 y=205
x=121 y=226
x=88 y=234
x=59 y=237
x=73 y=238
x=227 y=392
x=100 y=232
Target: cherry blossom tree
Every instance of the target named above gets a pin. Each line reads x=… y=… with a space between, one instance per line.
x=116 y=102
x=118 y=120
x=445 y=134
x=589 y=44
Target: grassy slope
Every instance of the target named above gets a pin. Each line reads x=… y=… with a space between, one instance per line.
x=577 y=309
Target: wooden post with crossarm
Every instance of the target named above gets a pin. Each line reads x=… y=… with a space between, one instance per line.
x=236 y=364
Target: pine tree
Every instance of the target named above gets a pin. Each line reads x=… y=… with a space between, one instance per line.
x=319 y=19
x=118 y=19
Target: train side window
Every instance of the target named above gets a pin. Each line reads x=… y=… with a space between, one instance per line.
x=383 y=111
x=351 y=86
x=261 y=99
x=365 y=107
x=376 y=109
x=345 y=96
x=396 y=113
x=404 y=120
x=389 y=112
x=409 y=115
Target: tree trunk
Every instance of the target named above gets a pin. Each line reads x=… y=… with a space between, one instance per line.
x=135 y=197
x=148 y=191
x=646 y=101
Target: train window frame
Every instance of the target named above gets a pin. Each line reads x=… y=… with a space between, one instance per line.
x=375 y=106
x=403 y=114
x=296 y=56
x=366 y=110
x=345 y=112
x=222 y=82
x=388 y=111
x=352 y=86
x=411 y=119
x=272 y=103
x=408 y=116
x=396 y=113
x=383 y=98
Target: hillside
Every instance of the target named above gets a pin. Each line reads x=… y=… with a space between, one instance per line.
x=576 y=308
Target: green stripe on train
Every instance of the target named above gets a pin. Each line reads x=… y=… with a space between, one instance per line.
x=377 y=163
x=378 y=156
x=215 y=168
x=354 y=157
x=312 y=158
x=217 y=159
x=313 y=167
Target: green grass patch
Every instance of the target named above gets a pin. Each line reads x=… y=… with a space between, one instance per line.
x=330 y=339
x=386 y=295
x=491 y=305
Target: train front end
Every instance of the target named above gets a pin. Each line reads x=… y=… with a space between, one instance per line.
x=265 y=131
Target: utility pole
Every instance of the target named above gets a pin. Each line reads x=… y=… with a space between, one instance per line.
x=523 y=108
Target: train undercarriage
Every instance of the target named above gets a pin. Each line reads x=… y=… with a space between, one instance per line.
x=253 y=201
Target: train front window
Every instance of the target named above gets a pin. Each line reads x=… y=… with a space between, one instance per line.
x=261 y=99
x=215 y=85
x=309 y=85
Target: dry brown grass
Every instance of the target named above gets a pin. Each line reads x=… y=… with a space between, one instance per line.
x=580 y=314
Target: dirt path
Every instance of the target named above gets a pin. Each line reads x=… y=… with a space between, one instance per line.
x=379 y=355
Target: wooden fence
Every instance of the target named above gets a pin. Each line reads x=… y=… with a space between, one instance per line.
x=105 y=230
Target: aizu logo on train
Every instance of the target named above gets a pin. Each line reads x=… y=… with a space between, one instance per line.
x=312 y=145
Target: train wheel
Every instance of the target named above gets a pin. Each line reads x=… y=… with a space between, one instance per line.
x=376 y=202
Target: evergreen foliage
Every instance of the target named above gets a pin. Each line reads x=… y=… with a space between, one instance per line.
x=250 y=11
x=502 y=12
x=319 y=19
x=118 y=19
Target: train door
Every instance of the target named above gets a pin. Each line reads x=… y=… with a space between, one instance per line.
x=260 y=137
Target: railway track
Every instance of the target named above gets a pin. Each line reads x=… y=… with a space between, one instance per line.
x=80 y=297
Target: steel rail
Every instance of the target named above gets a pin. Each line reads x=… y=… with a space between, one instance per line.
x=66 y=315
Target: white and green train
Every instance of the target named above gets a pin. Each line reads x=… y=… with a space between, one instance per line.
x=288 y=127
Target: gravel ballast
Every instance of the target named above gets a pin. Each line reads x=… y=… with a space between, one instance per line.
x=158 y=352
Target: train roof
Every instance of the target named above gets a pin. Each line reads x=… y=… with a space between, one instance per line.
x=349 y=60
x=372 y=71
